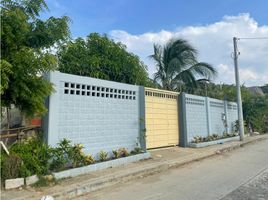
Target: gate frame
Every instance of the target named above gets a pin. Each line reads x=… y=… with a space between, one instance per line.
x=147 y=89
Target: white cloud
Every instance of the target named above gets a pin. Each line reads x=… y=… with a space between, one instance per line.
x=252 y=77
x=214 y=42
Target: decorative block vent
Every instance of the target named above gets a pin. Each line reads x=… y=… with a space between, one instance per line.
x=195 y=101
x=161 y=95
x=98 y=91
x=232 y=107
x=216 y=104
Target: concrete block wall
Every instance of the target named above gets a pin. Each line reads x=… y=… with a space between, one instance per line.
x=196 y=116
x=204 y=116
x=217 y=113
x=101 y=115
x=232 y=116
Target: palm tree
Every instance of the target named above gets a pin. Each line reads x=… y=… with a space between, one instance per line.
x=177 y=65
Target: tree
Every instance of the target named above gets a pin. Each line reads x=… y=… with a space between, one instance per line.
x=24 y=58
x=100 y=57
x=255 y=110
x=177 y=65
x=221 y=91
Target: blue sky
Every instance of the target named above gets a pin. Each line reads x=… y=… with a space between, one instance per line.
x=208 y=25
x=139 y=16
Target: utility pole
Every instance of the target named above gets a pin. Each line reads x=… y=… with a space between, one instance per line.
x=238 y=92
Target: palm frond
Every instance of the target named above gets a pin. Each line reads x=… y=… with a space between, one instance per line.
x=177 y=64
x=204 y=70
x=186 y=77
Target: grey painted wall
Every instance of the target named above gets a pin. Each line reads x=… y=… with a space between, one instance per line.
x=101 y=115
x=204 y=116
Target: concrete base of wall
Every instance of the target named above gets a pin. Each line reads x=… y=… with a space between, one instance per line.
x=99 y=166
x=205 y=144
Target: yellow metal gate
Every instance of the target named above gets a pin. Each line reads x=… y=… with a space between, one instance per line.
x=161 y=112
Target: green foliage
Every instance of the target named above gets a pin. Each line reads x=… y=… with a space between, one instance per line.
x=219 y=91
x=10 y=166
x=100 y=57
x=31 y=7
x=67 y=155
x=103 y=155
x=24 y=59
x=76 y=156
x=6 y=71
x=89 y=159
x=31 y=156
x=255 y=111
x=177 y=65
x=35 y=156
x=199 y=139
x=116 y=154
x=60 y=157
x=137 y=150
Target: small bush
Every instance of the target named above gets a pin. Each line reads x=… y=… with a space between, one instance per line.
x=76 y=156
x=103 y=155
x=68 y=155
x=10 y=167
x=60 y=155
x=137 y=150
x=123 y=152
x=35 y=156
x=89 y=159
x=116 y=154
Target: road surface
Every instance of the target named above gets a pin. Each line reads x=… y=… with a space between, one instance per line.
x=240 y=174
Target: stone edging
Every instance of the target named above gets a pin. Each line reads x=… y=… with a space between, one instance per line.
x=99 y=166
x=18 y=182
x=205 y=144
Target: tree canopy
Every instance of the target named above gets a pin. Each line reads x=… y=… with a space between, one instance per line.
x=100 y=57
x=24 y=40
x=177 y=65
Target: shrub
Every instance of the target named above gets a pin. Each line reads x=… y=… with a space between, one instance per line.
x=67 y=155
x=123 y=152
x=198 y=139
x=116 y=154
x=76 y=156
x=10 y=166
x=103 y=155
x=60 y=155
x=35 y=156
x=89 y=159
x=137 y=150
x=32 y=156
